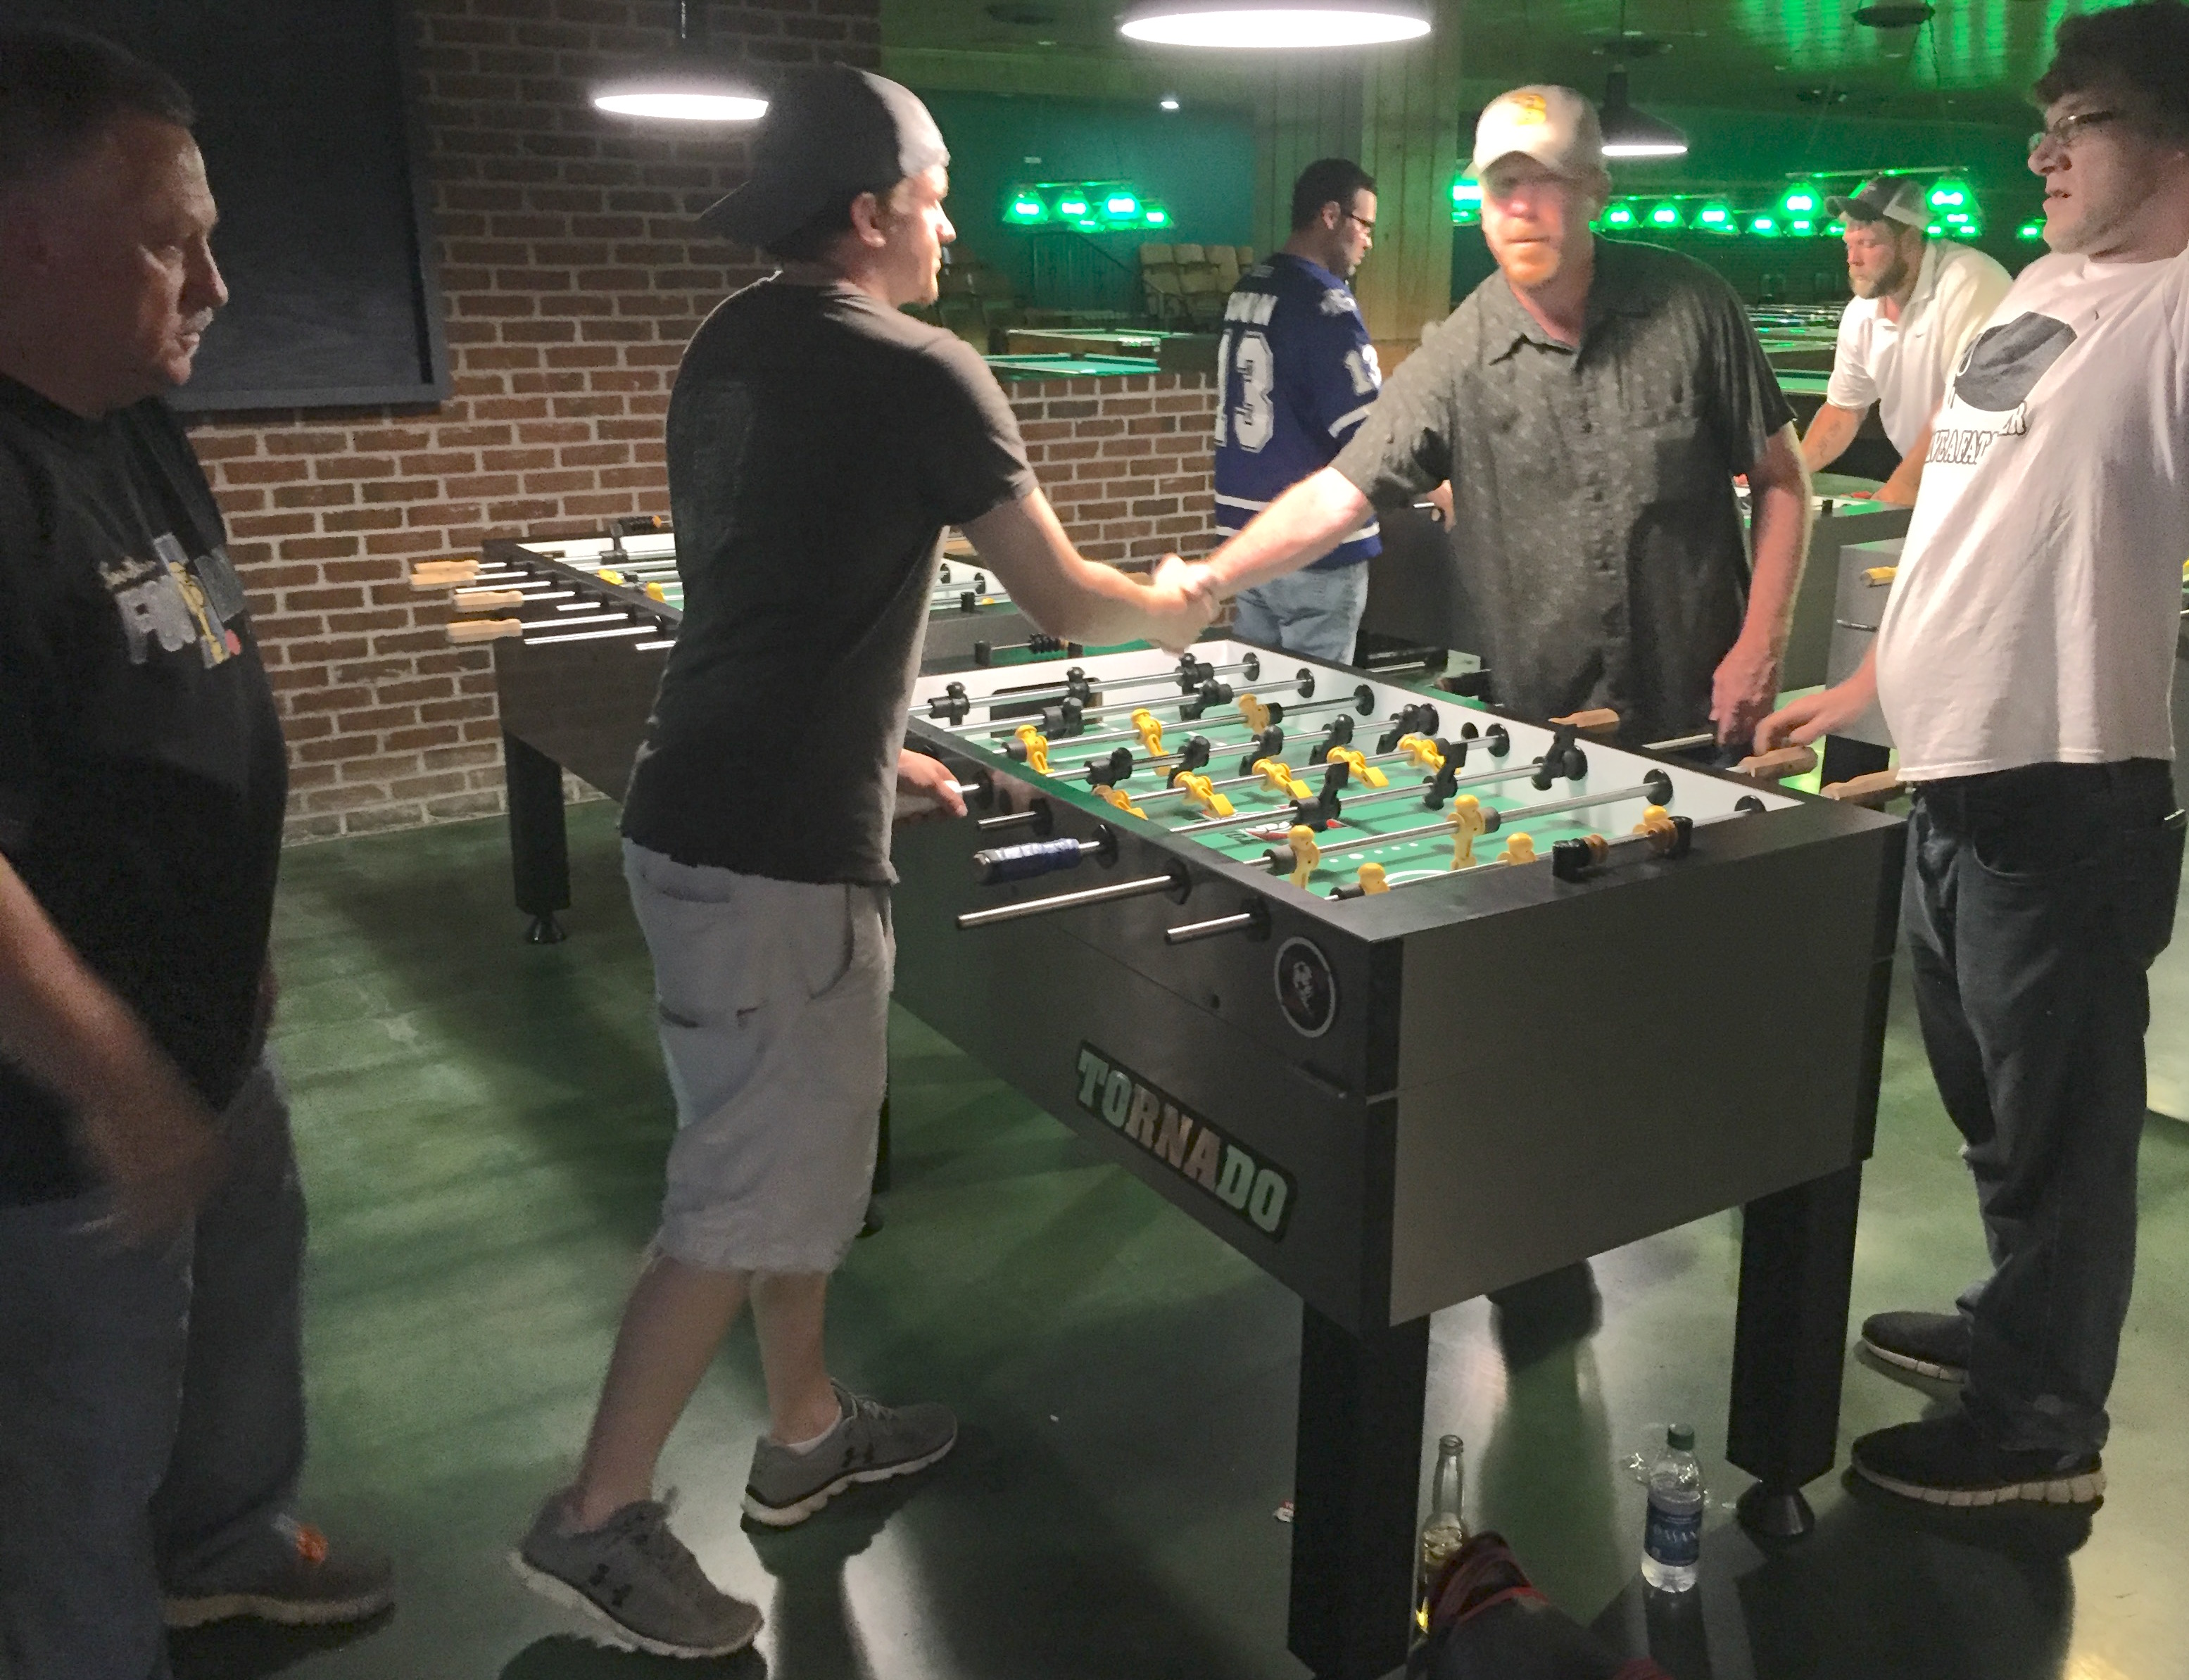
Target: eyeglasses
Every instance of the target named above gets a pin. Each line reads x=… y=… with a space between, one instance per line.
x=2069 y=129
x=1367 y=226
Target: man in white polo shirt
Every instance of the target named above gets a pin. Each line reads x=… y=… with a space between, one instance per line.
x=1917 y=304
x=2023 y=665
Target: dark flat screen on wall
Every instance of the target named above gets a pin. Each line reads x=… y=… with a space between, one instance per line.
x=305 y=120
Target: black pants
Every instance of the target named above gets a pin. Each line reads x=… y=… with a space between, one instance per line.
x=2036 y=900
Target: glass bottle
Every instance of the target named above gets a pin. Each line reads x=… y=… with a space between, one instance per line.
x=1445 y=1530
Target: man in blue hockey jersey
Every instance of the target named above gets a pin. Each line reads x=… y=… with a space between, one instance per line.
x=1296 y=375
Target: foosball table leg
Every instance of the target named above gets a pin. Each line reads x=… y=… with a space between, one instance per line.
x=539 y=843
x=1355 y=1485
x=1789 y=1346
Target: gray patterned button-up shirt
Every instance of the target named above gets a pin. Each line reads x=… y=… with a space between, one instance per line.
x=1596 y=536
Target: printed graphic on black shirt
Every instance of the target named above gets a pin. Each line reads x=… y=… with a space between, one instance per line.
x=2001 y=368
x=174 y=603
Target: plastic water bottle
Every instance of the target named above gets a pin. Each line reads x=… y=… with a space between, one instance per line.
x=1672 y=1538
x=1445 y=1530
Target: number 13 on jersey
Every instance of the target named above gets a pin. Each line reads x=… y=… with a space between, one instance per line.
x=1249 y=424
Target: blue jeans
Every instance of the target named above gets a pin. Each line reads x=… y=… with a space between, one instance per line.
x=1313 y=613
x=2036 y=900
x=151 y=1409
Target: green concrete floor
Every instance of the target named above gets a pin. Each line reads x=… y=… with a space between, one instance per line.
x=481 y=1125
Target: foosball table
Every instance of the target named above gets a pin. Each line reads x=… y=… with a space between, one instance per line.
x=581 y=628
x=1404 y=999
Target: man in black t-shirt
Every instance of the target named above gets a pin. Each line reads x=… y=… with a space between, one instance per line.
x=151 y=1408
x=819 y=441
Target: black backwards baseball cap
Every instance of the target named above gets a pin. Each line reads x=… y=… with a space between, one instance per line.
x=829 y=136
x=1889 y=198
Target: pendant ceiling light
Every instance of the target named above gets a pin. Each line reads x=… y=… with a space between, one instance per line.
x=1264 y=23
x=688 y=86
x=1629 y=132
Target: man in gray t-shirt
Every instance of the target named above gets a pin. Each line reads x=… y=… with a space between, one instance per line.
x=819 y=441
x=1592 y=403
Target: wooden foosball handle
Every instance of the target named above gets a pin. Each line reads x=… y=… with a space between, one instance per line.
x=1873 y=789
x=1601 y=721
x=1778 y=766
x=485 y=630
x=488 y=600
x=441 y=574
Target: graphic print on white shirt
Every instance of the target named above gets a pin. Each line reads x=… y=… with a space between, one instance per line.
x=2033 y=618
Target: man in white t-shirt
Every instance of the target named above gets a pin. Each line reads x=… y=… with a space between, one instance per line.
x=2023 y=665
x=1917 y=304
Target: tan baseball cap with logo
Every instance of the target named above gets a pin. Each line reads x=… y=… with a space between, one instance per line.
x=1555 y=125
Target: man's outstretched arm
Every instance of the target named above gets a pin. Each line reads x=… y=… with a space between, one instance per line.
x=1300 y=526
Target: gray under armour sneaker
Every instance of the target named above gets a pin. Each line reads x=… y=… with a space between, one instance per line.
x=636 y=1582
x=871 y=1443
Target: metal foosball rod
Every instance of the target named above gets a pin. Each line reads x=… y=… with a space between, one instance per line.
x=1469 y=819
x=1175 y=883
x=1254 y=719
x=1057 y=721
x=1066 y=720
x=1432 y=793
x=953 y=703
x=1280 y=777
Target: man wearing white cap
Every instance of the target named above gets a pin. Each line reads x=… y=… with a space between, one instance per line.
x=1592 y=403
x=1917 y=304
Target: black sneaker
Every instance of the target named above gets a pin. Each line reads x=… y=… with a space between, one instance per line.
x=1945 y=1461
x=312 y=1586
x=1931 y=1344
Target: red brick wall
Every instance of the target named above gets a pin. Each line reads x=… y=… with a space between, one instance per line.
x=572 y=284
x=1127 y=461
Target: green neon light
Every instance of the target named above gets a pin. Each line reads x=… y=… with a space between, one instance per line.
x=1620 y=214
x=1025 y=209
x=1763 y=227
x=1155 y=216
x=1466 y=202
x=1665 y=215
x=2033 y=228
x=1073 y=206
x=1801 y=226
x=1715 y=218
x=1123 y=206
x=1802 y=199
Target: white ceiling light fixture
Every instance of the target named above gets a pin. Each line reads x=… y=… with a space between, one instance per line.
x=1261 y=24
x=688 y=86
x=1630 y=131
x=1168 y=102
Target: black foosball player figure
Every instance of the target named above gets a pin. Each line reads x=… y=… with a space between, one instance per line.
x=811 y=418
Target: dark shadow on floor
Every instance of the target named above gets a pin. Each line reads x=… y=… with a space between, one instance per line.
x=244 y=1650
x=1882 y=1589
x=564 y=1656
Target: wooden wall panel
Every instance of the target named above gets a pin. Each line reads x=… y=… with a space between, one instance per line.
x=1411 y=143
x=1309 y=108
